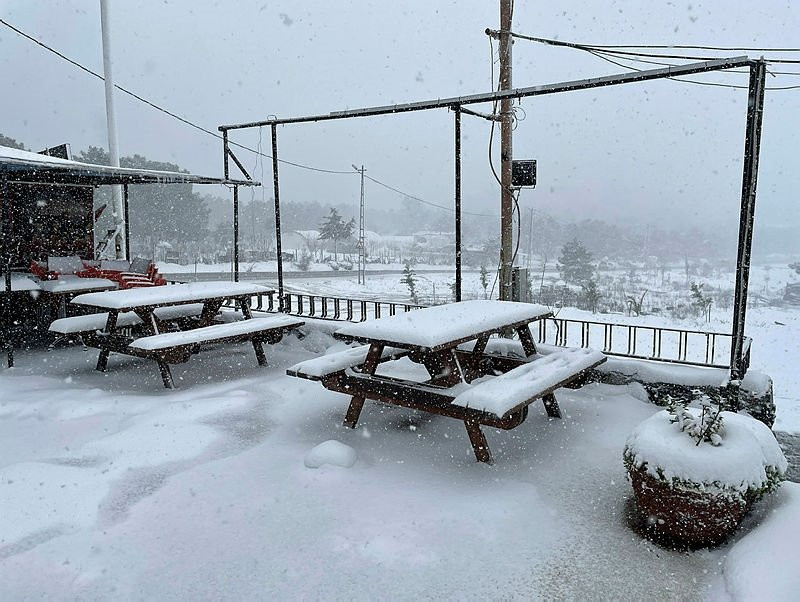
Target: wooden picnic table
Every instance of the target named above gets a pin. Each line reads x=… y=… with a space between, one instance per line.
x=175 y=320
x=450 y=341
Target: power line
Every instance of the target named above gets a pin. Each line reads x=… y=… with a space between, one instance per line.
x=216 y=135
x=587 y=47
x=423 y=201
x=599 y=52
x=692 y=47
x=159 y=108
x=602 y=55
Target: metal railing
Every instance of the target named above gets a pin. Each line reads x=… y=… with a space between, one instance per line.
x=672 y=345
x=336 y=308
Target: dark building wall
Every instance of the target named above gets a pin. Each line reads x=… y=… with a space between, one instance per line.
x=48 y=220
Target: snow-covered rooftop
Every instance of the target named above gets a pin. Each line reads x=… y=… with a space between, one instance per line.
x=23 y=166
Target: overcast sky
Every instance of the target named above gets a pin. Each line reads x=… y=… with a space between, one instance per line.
x=661 y=152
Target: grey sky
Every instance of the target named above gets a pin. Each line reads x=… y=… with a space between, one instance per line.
x=660 y=152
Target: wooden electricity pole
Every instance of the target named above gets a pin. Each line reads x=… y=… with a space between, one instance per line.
x=506 y=152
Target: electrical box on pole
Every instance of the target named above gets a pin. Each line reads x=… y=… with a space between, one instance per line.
x=523 y=173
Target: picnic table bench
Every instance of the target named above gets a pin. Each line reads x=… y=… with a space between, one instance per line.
x=466 y=382
x=175 y=322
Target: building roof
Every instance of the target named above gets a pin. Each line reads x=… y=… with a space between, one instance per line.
x=23 y=166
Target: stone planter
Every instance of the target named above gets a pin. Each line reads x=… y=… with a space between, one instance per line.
x=690 y=495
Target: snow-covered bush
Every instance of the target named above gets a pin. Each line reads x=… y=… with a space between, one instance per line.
x=703 y=428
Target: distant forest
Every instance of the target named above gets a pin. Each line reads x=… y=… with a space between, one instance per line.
x=200 y=225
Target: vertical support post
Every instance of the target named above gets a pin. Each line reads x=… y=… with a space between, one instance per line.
x=6 y=216
x=457 y=110
x=506 y=153
x=235 y=233
x=5 y=297
x=277 y=191
x=752 y=146
x=126 y=209
x=225 y=168
x=111 y=125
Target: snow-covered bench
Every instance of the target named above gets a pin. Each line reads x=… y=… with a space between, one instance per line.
x=79 y=325
x=177 y=347
x=514 y=390
x=324 y=366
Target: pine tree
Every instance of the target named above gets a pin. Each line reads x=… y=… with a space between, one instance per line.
x=335 y=228
x=575 y=263
x=409 y=280
x=485 y=281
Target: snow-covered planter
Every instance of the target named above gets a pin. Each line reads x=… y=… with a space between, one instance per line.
x=696 y=472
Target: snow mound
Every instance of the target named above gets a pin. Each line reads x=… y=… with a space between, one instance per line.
x=748 y=446
x=331 y=452
x=764 y=564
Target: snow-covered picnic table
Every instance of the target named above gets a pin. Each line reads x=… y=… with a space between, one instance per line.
x=460 y=376
x=170 y=334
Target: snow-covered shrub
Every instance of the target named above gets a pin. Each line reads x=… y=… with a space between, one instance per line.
x=703 y=428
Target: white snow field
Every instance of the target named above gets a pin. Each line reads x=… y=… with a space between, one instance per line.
x=114 y=488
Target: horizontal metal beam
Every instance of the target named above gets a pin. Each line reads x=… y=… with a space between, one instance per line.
x=457 y=101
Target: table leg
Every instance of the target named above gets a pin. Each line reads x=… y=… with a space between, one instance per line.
x=357 y=401
x=443 y=368
x=259 y=349
x=353 y=411
x=210 y=309
x=102 y=360
x=166 y=375
x=551 y=406
x=246 y=311
x=526 y=338
x=111 y=327
x=478 y=440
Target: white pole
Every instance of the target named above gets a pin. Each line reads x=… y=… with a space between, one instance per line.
x=113 y=150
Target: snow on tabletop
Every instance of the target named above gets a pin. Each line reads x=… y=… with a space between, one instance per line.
x=330 y=452
x=170 y=293
x=747 y=447
x=443 y=324
x=213 y=332
x=500 y=394
x=73 y=284
x=764 y=564
x=334 y=362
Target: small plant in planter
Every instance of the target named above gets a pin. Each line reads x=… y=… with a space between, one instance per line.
x=697 y=471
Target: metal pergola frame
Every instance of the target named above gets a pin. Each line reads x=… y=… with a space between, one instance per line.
x=740 y=351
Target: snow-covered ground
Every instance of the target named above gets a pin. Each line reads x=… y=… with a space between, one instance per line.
x=113 y=488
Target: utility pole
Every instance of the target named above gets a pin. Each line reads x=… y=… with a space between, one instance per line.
x=362 y=248
x=506 y=153
x=111 y=123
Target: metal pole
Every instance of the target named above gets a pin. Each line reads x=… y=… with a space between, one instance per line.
x=126 y=206
x=235 y=233
x=752 y=145
x=457 y=110
x=111 y=123
x=6 y=215
x=362 y=250
x=506 y=153
x=277 y=191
